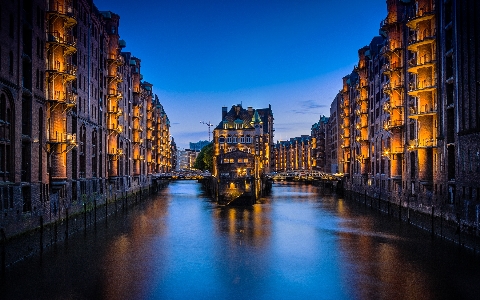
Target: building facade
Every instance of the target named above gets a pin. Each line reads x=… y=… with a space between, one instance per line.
x=77 y=122
x=409 y=110
x=248 y=130
x=295 y=154
x=320 y=147
x=333 y=138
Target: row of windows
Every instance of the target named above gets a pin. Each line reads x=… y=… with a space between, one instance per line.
x=232 y=160
x=235 y=139
x=231 y=149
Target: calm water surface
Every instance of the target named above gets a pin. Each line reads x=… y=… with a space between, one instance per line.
x=297 y=244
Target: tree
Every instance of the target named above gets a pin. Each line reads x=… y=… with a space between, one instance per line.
x=204 y=159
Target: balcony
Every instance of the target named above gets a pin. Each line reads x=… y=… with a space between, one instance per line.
x=137 y=140
x=62 y=138
x=359 y=112
x=67 y=41
x=414 y=65
x=392 y=124
x=115 y=78
x=389 y=87
x=114 y=94
x=115 y=154
x=115 y=128
x=57 y=68
x=359 y=126
x=116 y=59
x=386 y=107
x=423 y=143
x=421 y=86
x=422 y=14
x=390 y=68
x=422 y=111
x=388 y=21
x=415 y=41
x=362 y=138
x=394 y=47
x=394 y=150
x=62 y=9
x=115 y=112
x=139 y=157
x=69 y=99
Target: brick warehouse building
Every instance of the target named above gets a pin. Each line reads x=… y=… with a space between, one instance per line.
x=410 y=110
x=77 y=122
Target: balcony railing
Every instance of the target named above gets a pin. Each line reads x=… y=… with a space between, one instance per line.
x=422 y=13
x=68 y=41
x=65 y=9
x=423 y=110
x=115 y=128
x=415 y=64
x=114 y=93
x=390 y=124
x=422 y=85
x=62 y=137
x=425 y=143
x=418 y=39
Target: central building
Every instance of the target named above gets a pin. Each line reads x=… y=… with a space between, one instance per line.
x=243 y=152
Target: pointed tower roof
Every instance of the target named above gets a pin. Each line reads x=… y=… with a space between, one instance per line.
x=256 y=118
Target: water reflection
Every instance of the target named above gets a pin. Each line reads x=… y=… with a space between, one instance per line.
x=299 y=243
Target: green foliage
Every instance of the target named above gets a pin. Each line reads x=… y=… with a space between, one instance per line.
x=204 y=159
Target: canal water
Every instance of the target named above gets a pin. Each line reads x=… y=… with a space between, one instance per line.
x=299 y=243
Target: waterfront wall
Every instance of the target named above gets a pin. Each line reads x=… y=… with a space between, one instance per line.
x=49 y=229
x=438 y=220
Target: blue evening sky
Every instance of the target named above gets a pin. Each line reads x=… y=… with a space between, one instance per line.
x=201 y=55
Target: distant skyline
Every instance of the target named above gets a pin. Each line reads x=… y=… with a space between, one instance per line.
x=203 y=55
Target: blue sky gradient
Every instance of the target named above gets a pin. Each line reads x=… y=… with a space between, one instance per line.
x=204 y=54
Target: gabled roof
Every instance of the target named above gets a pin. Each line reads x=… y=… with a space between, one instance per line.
x=247 y=117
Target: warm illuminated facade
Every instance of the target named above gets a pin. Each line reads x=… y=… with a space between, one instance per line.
x=243 y=152
x=78 y=125
x=320 y=147
x=248 y=130
x=409 y=110
x=333 y=139
x=294 y=154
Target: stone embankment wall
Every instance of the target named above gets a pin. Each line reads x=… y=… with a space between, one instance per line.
x=45 y=235
x=436 y=220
